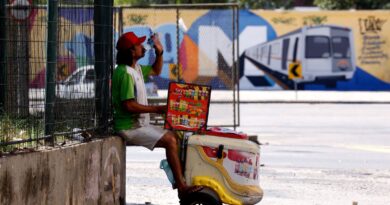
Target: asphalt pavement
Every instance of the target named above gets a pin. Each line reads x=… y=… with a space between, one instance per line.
x=311 y=154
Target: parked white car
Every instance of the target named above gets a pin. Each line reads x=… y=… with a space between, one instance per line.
x=81 y=85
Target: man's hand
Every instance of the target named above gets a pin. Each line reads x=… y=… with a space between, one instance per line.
x=158 y=63
x=161 y=109
x=134 y=107
x=157 y=44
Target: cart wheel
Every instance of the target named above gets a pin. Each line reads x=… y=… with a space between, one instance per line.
x=204 y=197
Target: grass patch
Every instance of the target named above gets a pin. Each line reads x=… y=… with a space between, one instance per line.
x=15 y=129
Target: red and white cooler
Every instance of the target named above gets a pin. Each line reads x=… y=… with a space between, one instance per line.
x=226 y=162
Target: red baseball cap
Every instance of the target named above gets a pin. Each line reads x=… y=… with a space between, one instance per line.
x=129 y=39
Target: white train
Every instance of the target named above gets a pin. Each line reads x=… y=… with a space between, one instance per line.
x=325 y=52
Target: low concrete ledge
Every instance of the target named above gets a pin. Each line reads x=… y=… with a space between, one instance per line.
x=82 y=174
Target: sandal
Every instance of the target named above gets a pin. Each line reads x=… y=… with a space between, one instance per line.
x=189 y=190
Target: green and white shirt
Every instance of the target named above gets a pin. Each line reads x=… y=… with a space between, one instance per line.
x=128 y=83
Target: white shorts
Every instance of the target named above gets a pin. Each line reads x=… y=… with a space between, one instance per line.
x=146 y=136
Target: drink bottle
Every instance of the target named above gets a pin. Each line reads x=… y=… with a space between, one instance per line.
x=150 y=43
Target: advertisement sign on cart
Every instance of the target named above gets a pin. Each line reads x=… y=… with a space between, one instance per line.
x=188 y=107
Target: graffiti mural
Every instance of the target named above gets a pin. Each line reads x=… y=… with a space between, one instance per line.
x=331 y=55
x=75 y=45
x=335 y=50
x=205 y=45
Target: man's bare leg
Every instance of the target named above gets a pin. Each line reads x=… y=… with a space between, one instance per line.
x=170 y=143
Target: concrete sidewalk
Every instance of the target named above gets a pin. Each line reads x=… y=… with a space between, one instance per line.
x=249 y=96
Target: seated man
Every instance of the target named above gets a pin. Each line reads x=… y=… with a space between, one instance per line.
x=131 y=109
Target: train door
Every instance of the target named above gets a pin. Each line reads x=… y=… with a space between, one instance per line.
x=285 y=45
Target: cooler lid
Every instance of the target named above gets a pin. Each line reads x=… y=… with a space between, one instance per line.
x=224 y=132
x=229 y=143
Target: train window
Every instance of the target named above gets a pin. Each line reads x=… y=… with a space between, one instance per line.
x=341 y=48
x=269 y=54
x=295 y=53
x=276 y=49
x=317 y=47
x=286 y=43
x=263 y=52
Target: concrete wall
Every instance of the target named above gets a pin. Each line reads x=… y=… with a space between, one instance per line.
x=89 y=173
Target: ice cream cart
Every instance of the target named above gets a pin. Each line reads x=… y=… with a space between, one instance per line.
x=226 y=163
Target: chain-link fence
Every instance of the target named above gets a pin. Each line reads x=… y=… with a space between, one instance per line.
x=56 y=61
x=55 y=64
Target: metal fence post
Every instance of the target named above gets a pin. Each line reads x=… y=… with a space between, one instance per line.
x=103 y=59
x=3 y=51
x=234 y=69
x=120 y=29
x=178 y=44
x=51 y=65
x=237 y=30
x=109 y=31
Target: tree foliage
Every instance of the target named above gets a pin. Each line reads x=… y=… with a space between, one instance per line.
x=74 y=2
x=352 y=4
x=249 y=4
x=253 y=4
x=372 y=4
x=148 y=2
x=266 y=4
